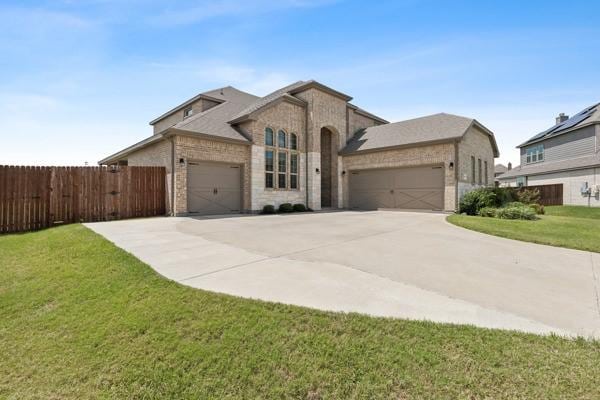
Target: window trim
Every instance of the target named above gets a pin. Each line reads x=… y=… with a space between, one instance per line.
x=272 y=137
x=272 y=171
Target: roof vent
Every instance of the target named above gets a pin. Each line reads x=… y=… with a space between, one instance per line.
x=561 y=118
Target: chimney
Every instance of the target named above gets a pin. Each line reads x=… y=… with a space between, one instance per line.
x=509 y=166
x=561 y=118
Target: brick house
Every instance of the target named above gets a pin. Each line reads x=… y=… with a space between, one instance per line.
x=229 y=151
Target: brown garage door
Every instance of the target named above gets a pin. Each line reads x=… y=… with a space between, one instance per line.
x=213 y=188
x=408 y=188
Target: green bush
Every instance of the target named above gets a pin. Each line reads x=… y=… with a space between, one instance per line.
x=522 y=212
x=504 y=195
x=538 y=208
x=286 y=208
x=477 y=199
x=488 y=212
x=528 y=196
x=299 y=207
x=268 y=209
x=515 y=204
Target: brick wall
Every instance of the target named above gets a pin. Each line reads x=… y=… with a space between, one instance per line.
x=475 y=143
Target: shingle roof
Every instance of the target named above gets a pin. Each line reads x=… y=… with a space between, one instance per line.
x=432 y=128
x=214 y=120
x=263 y=101
x=587 y=116
x=547 y=167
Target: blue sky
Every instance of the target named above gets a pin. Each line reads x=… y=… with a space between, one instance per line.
x=81 y=79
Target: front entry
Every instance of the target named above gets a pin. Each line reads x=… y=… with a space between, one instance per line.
x=409 y=188
x=327 y=159
x=213 y=188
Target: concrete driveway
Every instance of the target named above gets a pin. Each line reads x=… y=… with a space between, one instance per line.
x=383 y=263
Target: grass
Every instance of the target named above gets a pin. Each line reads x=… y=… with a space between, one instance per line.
x=80 y=318
x=574 y=227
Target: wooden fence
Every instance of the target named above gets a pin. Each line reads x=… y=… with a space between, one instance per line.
x=33 y=198
x=550 y=195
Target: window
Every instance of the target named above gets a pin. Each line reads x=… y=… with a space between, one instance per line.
x=282 y=170
x=479 y=171
x=534 y=154
x=281 y=161
x=269 y=169
x=472 y=170
x=486 y=172
x=269 y=137
x=521 y=181
x=294 y=171
x=293 y=141
x=188 y=112
x=281 y=139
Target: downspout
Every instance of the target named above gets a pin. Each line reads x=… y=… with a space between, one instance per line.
x=306 y=153
x=456 y=176
x=172 y=176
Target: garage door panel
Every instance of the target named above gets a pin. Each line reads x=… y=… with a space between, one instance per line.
x=213 y=188
x=408 y=188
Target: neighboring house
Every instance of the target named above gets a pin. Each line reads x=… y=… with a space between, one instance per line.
x=230 y=151
x=500 y=169
x=567 y=153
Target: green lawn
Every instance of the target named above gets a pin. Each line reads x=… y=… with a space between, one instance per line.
x=574 y=227
x=80 y=318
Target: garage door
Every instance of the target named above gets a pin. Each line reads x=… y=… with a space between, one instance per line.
x=409 y=188
x=213 y=188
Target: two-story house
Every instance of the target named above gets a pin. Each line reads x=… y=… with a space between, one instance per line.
x=568 y=153
x=227 y=151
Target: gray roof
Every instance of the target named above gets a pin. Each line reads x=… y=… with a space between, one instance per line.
x=433 y=128
x=556 y=166
x=587 y=116
x=263 y=101
x=213 y=121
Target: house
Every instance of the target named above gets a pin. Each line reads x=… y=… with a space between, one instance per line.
x=568 y=153
x=500 y=169
x=230 y=151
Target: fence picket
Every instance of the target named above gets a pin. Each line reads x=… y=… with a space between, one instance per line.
x=33 y=198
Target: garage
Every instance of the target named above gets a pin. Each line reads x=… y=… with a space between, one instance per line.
x=213 y=188
x=420 y=188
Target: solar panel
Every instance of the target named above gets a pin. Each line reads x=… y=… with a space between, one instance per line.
x=571 y=122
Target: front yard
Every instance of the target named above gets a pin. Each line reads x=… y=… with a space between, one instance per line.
x=80 y=318
x=573 y=227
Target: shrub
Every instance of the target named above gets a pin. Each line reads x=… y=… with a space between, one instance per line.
x=528 y=196
x=538 y=208
x=515 y=204
x=477 y=199
x=286 y=208
x=504 y=195
x=268 y=209
x=299 y=207
x=522 y=212
x=488 y=212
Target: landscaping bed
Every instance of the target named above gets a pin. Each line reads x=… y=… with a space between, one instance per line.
x=80 y=318
x=574 y=227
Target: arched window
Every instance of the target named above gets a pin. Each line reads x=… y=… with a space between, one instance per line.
x=293 y=141
x=281 y=139
x=269 y=137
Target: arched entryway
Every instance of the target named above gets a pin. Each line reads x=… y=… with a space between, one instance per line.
x=329 y=156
